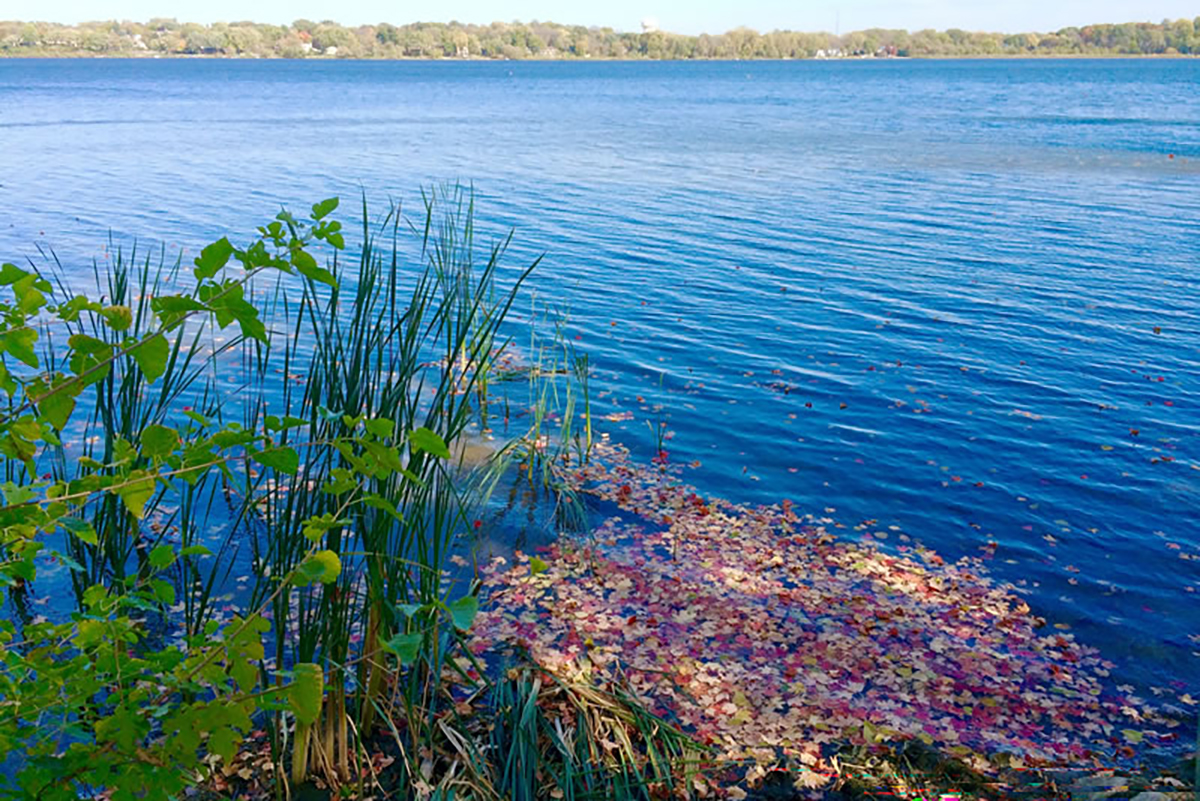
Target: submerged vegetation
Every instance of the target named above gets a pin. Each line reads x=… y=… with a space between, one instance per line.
x=548 y=40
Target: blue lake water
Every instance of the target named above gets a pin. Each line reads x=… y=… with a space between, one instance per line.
x=958 y=299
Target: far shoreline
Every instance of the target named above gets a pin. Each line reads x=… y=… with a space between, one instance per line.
x=485 y=59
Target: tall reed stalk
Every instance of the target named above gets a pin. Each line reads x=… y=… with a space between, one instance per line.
x=373 y=379
x=124 y=407
x=410 y=344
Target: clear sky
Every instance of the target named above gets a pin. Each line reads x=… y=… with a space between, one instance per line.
x=682 y=16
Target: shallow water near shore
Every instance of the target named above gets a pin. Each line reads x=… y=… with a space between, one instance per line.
x=954 y=302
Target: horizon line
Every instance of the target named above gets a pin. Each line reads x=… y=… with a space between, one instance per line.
x=645 y=29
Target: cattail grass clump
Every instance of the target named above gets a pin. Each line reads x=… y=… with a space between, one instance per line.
x=266 y=525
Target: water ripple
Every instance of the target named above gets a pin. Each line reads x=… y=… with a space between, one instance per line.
x=958 y=298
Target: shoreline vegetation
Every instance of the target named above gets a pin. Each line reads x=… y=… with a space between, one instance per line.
x=686 y=647
x=305 y=39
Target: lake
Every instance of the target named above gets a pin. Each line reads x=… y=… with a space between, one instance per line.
x=949 y=302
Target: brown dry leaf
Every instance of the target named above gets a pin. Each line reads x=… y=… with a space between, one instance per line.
x=810 y=780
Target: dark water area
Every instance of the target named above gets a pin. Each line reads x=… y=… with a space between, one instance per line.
x=956 y=302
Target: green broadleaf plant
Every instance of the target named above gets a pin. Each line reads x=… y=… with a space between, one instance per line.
x=138 y=720
x=346 y=494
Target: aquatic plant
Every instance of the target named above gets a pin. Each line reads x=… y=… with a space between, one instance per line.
x=332 y=457
x=386 y=367
x=95 y=702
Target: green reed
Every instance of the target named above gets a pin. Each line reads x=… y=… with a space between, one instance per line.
x=408 y=343
x=124 y=406
x=408 y=339
x=553 y=420
x=572 y=740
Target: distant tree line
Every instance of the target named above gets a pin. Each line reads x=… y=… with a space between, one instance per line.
x=548 y=40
